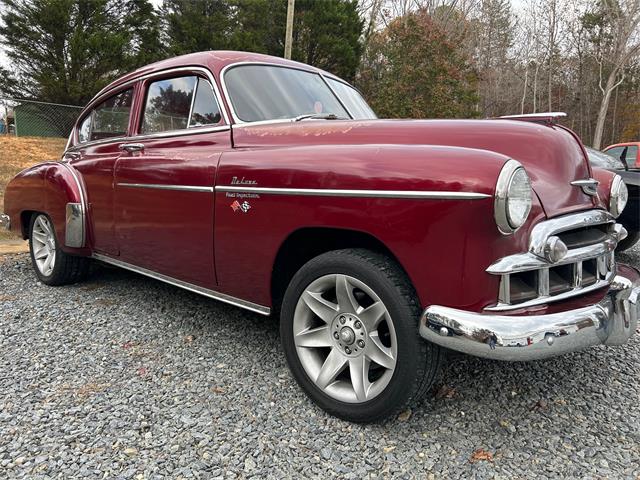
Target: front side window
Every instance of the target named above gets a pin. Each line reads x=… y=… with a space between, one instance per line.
x=108 y=119
x=264 y=92
x=170 y=105
x=352 y=99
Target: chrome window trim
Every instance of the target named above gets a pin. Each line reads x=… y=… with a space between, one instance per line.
x=160 y=186
x=104 y=92
x=237 y=121
x=83 y=203
x=166 y=134
x=335 y=94
x=222 y=297
x=326 y=192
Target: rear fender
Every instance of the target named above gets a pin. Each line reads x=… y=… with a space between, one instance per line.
x=56 y=189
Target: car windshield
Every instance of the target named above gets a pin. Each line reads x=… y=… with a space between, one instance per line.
x=603 y=160
x=266 y=92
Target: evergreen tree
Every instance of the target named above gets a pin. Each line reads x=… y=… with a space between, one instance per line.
x=196 y=25
x=64 y=51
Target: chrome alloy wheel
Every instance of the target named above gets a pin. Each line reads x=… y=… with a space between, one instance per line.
x=345 y=338
x=44 y=245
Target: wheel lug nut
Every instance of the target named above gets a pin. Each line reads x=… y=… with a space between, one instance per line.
x=342 y=320
x=361 y=343
x=335 y=335
x=357 y=324
x=347 y=349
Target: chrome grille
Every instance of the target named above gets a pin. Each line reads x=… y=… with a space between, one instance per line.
x=529 y=279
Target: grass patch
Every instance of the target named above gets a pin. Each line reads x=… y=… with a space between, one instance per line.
x=18 y=153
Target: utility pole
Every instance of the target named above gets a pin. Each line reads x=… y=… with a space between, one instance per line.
x=289 y=35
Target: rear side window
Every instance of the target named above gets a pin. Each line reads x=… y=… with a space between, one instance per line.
x=179 y=103
x=108 y=119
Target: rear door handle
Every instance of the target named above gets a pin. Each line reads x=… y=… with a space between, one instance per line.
x=132 y=147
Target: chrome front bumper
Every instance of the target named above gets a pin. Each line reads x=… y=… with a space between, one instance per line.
x=612 y=321
x=5 y=221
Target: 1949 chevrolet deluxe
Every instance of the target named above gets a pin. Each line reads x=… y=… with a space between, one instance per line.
x=271 y=185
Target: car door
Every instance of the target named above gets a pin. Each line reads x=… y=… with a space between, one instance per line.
x=99 y=137
x=164 y=198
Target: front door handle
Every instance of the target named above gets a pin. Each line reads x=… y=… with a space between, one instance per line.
x=132 y=147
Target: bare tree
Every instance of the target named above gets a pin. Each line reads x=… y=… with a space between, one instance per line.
x=621 y=23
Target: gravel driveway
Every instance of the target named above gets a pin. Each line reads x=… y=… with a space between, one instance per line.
x=127 y=377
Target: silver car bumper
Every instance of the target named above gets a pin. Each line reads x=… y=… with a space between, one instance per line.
x=5 y=221
x=612 y=321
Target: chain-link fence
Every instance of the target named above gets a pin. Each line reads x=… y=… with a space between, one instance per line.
x=30 y=118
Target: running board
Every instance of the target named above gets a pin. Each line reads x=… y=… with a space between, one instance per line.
x=237 y=302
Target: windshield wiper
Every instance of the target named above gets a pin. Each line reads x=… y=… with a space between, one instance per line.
x=318 y=116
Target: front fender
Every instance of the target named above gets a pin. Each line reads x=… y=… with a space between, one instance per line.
x=54 y=188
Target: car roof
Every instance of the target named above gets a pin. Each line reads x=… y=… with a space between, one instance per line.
x=624 y=144
x=214 y=60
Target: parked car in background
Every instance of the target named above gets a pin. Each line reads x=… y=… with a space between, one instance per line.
x=628 y=153
x=271 y=185
x=630 y=216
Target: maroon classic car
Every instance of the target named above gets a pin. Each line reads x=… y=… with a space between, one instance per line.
x=272 y=186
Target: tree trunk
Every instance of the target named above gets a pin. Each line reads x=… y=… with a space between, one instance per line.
x=604 y=107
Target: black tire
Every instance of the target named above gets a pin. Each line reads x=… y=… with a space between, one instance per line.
x=630 y=241
x=418 y=362
x=67 y=268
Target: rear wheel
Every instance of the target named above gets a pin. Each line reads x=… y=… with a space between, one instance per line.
x=349 y=328
x=51 y=264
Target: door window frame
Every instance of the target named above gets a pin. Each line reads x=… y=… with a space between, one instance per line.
x=187 y=72
x=138 y=104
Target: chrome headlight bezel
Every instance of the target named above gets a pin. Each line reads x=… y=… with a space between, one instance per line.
x=512 y=171
x=618 y=197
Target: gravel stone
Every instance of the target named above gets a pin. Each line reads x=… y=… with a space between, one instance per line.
x=126 y=377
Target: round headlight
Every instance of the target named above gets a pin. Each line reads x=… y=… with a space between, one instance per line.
x=513 y=197
x=618 y=197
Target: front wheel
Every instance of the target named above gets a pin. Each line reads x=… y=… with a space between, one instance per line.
x=52 y=265
x=349 y=330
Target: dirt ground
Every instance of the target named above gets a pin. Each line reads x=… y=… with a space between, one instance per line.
x=16 y=154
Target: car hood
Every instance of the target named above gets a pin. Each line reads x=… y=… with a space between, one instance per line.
x=552 y=155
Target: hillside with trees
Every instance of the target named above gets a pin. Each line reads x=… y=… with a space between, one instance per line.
x=411 y=58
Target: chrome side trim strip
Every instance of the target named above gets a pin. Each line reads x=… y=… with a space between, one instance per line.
x=328 y=192
x=79 y=242
x=157 y=186
x=238 y=302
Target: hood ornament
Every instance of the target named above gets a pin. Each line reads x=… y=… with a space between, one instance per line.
x=588 y=186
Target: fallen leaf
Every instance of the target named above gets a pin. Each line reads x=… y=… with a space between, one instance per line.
x=504 y=423
x=481 y=455
x=404 y=416
x=445 y=391
x=219 y=390
x=540 y=405
x=389 y=449
x=189 y=339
